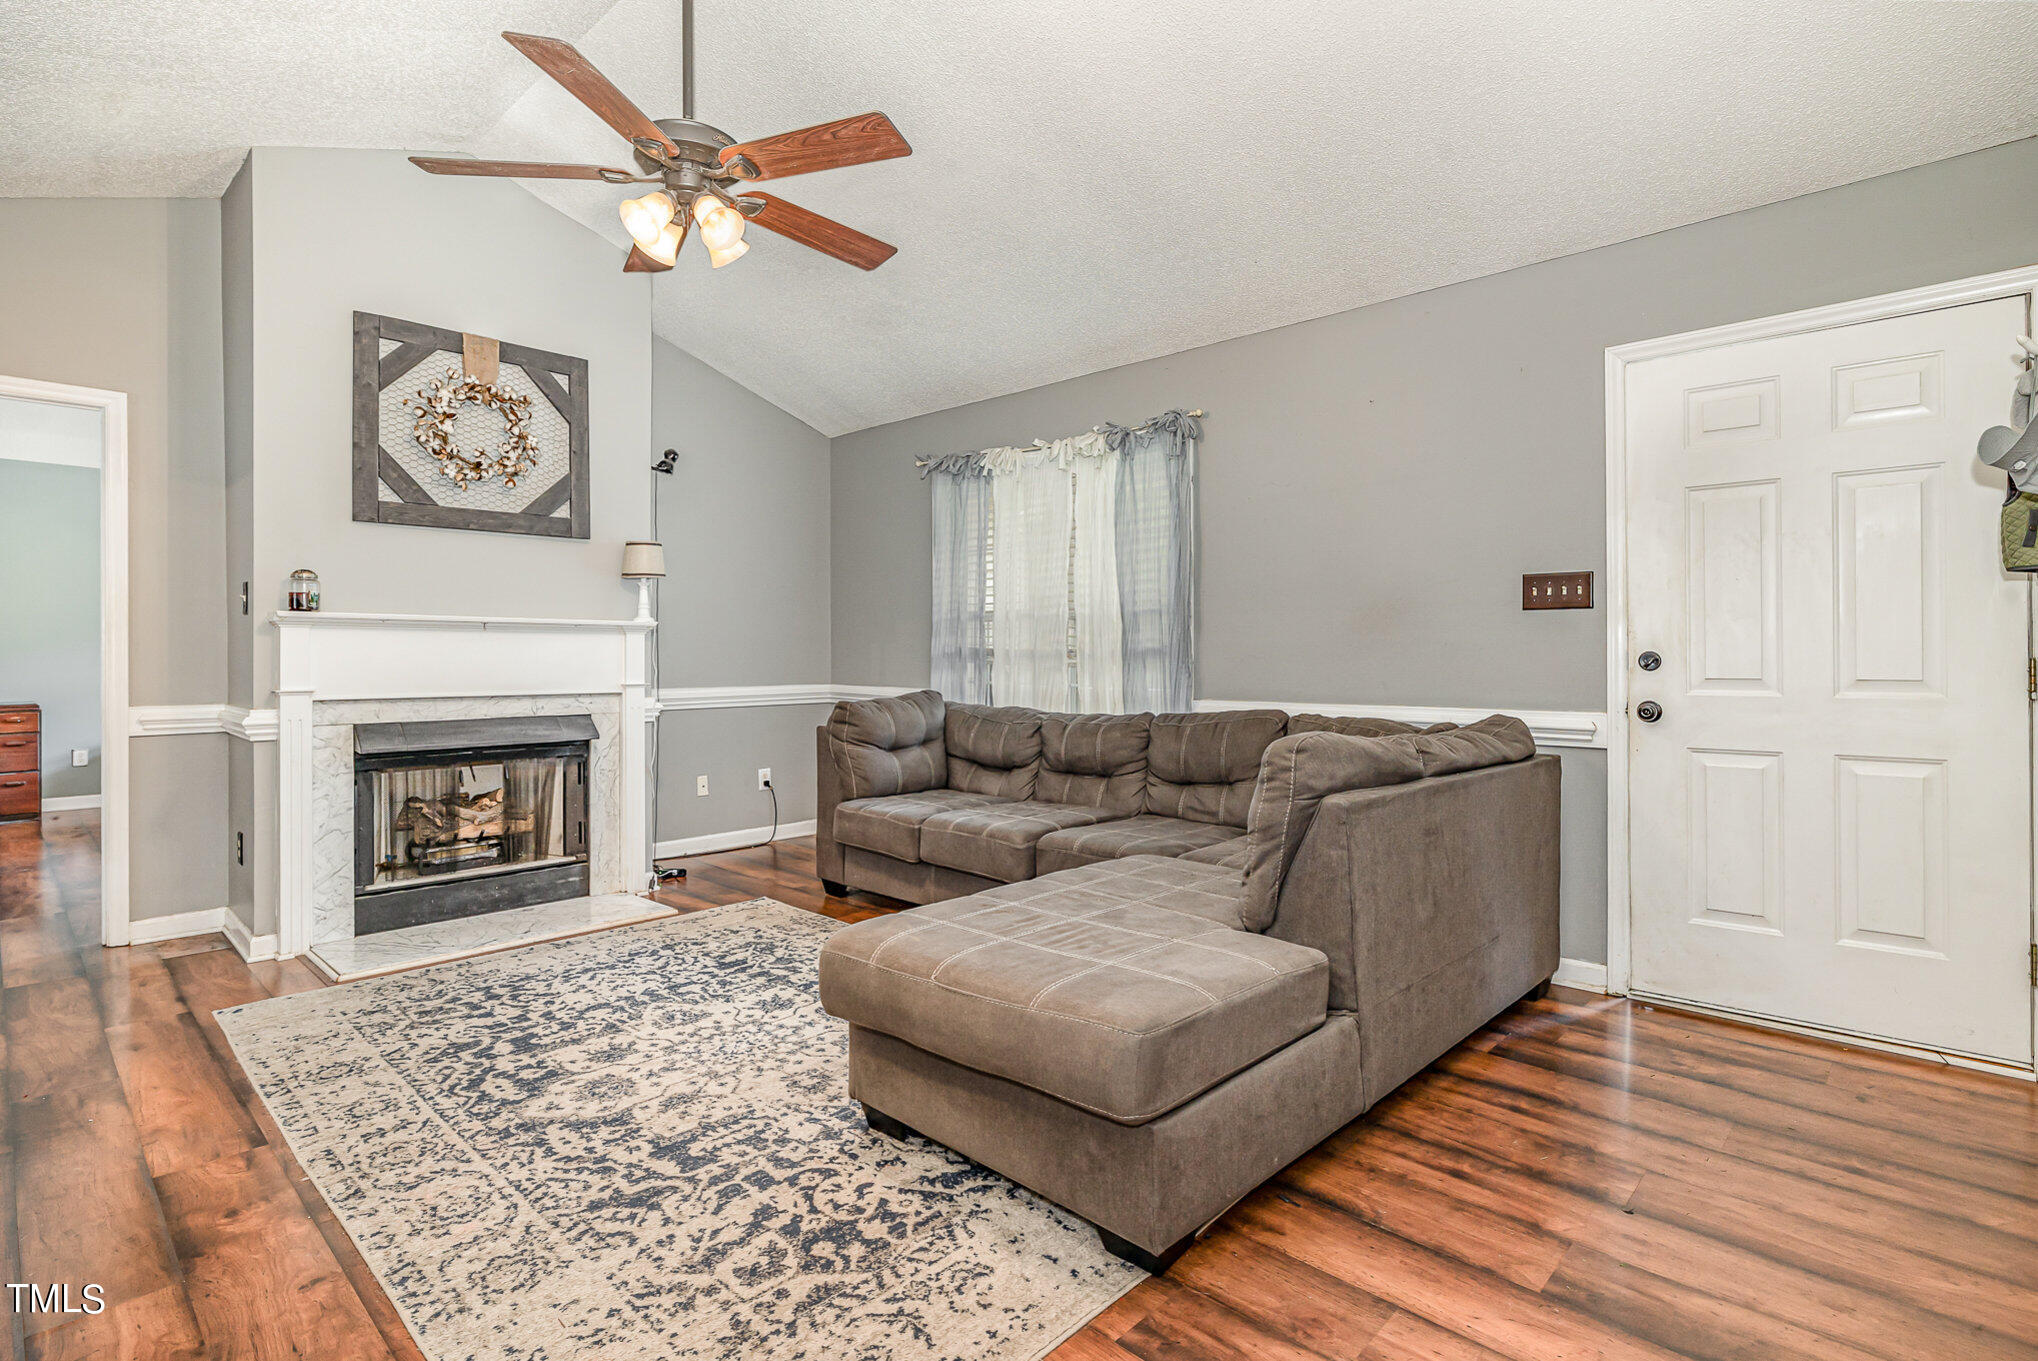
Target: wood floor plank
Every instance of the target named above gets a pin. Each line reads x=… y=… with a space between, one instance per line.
x=1281 y=1295
x=1184 y=1323
x=1474 y=1304
x=181 y=1102
x=158 y=1327
x=1409 y=1337
x=84 y=1207
x=1457 y=1112
x=260 y=1278
x=1877 y=1169
x=56 y=1040
x=1685 y=1317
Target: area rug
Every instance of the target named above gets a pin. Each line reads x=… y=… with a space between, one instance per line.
x=639 y=1143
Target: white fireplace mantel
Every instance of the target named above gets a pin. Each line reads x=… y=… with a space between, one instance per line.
x=330 y=656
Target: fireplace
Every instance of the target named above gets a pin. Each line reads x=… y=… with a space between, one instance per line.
x=457 y=818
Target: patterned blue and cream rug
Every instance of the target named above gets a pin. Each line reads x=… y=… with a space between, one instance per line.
x=639 y=1143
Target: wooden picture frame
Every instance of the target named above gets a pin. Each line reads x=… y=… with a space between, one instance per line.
x=561 y=379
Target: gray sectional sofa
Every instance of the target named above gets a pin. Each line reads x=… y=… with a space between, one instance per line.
x=1161 y=956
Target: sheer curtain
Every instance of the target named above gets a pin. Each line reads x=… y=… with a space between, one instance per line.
x=1098 y=625
x=1155 y=519
x=1064 y=572
x=962 y=543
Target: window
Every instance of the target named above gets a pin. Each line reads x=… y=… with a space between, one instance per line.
x=1063 y=572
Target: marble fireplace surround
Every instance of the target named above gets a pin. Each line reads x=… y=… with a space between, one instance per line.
x=332 y=787
x=337 y=670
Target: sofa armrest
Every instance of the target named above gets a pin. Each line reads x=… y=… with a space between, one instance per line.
x=828 y=858
x=1437 y=903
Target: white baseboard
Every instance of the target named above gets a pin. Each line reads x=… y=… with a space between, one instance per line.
x=1580 y=973
x=178 y=924
x=247 y=945
x=722 y=841
x=66 y=803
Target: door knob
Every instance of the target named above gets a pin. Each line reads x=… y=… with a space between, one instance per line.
x=1649 y=661
x=1648 y=711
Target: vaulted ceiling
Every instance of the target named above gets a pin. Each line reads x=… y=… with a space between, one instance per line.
x=1091 y=184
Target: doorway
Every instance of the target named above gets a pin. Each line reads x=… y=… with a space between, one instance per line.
x=1821 y=677
x=63 y=680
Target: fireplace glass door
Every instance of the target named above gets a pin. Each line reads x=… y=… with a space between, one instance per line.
x=439 y=821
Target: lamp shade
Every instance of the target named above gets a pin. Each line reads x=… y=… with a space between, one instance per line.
x=642 y=559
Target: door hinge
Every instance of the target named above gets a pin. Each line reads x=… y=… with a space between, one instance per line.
x=2034 y=966
x=2031 y=678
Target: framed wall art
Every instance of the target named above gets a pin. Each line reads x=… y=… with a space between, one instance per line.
x=462 y=431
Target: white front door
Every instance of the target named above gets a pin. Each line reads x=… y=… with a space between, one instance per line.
x=1829 y=821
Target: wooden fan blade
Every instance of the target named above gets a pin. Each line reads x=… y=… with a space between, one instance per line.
x=823 y=234
x=640 y=263
x=563 y=62
x=846 y=141
x=525 y=170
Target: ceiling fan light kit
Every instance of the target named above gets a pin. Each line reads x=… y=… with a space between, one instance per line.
x=696 y=165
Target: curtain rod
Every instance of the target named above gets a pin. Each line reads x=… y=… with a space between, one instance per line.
x=1040 y=444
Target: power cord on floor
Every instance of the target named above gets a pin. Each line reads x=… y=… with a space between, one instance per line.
x=668 y=875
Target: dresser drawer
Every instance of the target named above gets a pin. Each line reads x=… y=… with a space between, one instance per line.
x=18 y=752
x=21 y=795
x=20 y=720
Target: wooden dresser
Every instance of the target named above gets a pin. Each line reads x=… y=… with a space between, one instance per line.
x=20 y=762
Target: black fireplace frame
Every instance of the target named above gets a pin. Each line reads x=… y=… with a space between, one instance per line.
x=412 y=746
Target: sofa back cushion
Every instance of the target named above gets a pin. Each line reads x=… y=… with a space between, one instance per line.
x=1095 y=760
x=993 y=751
x=1298 y=773
x=1303 y=769
x=1358 y=727
x=1203 y=766
x=1493 y=741
x=889 y=746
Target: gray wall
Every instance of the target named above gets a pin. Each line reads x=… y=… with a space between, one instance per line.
x=49 y=611
x=1374 y=483
x=313 y=236
x=334 y=232
x=744 y=520
x=124 y=294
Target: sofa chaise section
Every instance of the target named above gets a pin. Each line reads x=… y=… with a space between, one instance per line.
x=1120 y=1037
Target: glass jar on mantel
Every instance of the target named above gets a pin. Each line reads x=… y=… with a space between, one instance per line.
x=303 y=590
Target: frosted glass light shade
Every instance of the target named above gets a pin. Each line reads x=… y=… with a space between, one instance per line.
x=721 y=225
x=722 y=255
x=641 y=559
x=665 y=247
x=644 y=218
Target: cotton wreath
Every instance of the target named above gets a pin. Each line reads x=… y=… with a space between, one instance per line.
x=436 y=408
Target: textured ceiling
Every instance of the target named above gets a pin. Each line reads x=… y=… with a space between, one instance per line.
x=1091 y=184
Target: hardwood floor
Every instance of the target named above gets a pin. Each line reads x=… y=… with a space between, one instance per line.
x=1583 y=1178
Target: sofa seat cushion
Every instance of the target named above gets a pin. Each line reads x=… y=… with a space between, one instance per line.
x=1147 y=834
x=891 y=825
x=1230 y=854
x=1084 y=985
x=997 y=841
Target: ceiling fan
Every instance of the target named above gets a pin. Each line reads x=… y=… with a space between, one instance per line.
x=696 y=166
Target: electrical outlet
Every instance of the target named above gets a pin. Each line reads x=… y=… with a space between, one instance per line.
x=763 y=776
x=240 y=849
x=700 y=786
x=80 y=757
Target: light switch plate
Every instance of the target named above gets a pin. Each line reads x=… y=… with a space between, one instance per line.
x=700 y=786
x=1557 y=591
x=80 y=758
